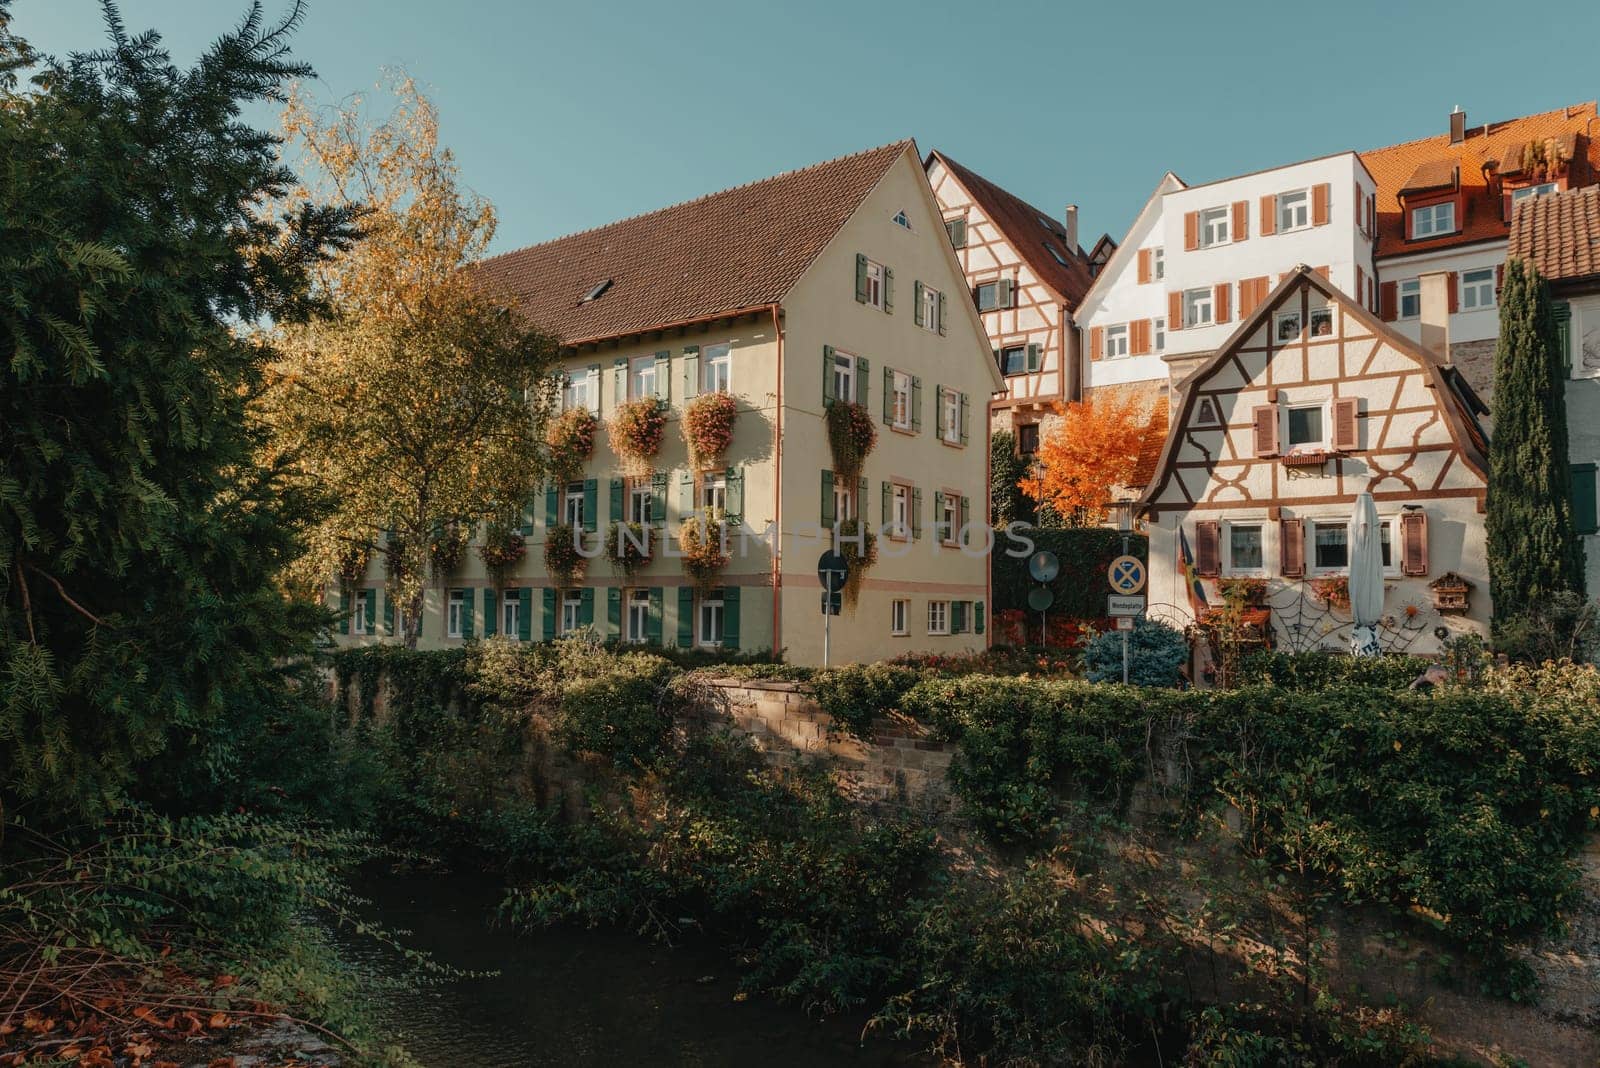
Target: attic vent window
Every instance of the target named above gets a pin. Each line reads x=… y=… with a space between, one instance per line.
x=596 y=292
x=901 y=220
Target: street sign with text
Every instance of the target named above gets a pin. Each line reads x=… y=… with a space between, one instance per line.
x=1124 y=606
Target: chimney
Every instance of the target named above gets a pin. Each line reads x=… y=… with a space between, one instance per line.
x=1458 y=126
x=1072 y=229
x=1435 y=298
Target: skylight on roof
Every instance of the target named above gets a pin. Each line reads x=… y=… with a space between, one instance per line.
x=596 y=292
x=1057 y=254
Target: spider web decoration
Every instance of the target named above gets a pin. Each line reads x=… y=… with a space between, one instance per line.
x=1303 y=622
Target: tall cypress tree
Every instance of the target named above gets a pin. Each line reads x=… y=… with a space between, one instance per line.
x=1532 y=545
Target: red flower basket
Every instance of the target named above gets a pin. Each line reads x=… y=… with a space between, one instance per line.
x=636 y=429
x=570 y=438
x=708 y=426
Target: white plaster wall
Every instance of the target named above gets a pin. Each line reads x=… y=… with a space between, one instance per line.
x=1476 y=325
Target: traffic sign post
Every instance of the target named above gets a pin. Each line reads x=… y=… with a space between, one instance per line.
x=1127 y=577
x=832 y=571
x=1117 y=605
x=1043 y=567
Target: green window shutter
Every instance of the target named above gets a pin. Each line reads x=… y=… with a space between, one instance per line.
x=369 y=603
x=938 y=412
x=685 y=616
x=614 y=611
x=586 y=607
x=888 y=395
x=916 y=302
x=619 y=380
x=958 y=617
x=977 y=617
x=863 y=380
x=827 y=375
x=653 y=625
x=734 y=510
x=552 y=505
x=887 y=502
x=963 y=418
x=594 y=388
x=916 y=514
x=1035 y=356
x=938 y=516
x=549 y=614
x=664 y=376
x=861 y=278
x=964 y=514
x=658 y=497
x=888 y=291
x=591 y=504
x=491 y=609
x=616 y=500
x=525 y=614
x=346 y=623
x=691 y=371
x=941 y=313
x=916 y=404
x=468 y=610
x=861 y=499
x=388 y=612
x=526 y=529
x=827 y=500
x=1584 y=511
x=686 y=494
x=730 y=617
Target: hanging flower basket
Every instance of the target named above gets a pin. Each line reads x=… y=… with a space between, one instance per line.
x=636 y=429
x=503 y=549
x=1248 y=592
x=561 y=557
x=353 y=563
x=1333 y=591
x=700 y=542
x=394 y=558
x=627 y=547
x=570 y=438
x=851 y=436
x=708 y=427
x=859 y=547
x=448 y=548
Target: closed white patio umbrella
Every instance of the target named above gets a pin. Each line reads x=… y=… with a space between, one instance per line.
x=1366 y=577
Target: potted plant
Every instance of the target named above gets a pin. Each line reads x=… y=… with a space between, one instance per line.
x=851 y=436
x=708 y=427
x=636 y=429
x=570 y=438
x=561 y=556
x=704 y=554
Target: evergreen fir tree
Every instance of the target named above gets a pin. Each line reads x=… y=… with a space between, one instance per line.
x=1532 y=546
x=139 y=534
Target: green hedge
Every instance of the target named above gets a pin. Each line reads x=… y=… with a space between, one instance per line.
x=1080 y=588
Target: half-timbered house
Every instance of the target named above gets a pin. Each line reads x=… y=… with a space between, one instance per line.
x=1310 y=402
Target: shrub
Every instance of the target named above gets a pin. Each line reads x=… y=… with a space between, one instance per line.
x=1155 y=653
x=856 y=695
x=1319 y=669
x=622 y=714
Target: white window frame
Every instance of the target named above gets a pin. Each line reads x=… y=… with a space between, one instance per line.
x=1281 y=322
x=950 y=521
x=1411 y=289
x=636 y=616
x=641 y=496
x=1477 y=289
x=1196 y=300
x=875 y=284
x=1321 y=444
x=1158 y=263
x=846 y=377
x=1214 y=226
x=938 y=617
x=901 y=219
x=714 y=493
x=844 y=501
x=511 y=615
x=1116 y=341
x=900 y=501
x=641 y=369
x=1313 y=316
x=708 y=621
x=575 y=393
x=572 y=505
x=1542 y=189
x=1158 y=332
x=1390 y=525
x=1440 y=218
x=900 y=617
x=951 y=403
x=1229 y=568
x=716 y=368
x=455 y=611
x=358 y=621
x=900 y=400
x=930 y=309
x=571 y=611
x=1293 y=210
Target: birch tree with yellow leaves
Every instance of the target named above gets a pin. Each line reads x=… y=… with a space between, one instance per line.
x=419 y=403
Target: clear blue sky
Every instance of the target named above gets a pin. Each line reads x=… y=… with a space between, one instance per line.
x=567 y=115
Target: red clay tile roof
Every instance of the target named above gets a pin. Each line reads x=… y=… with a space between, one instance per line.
x=1432 y=174
x=1154 y=440
x=1395 y=168
x=1033 y=233
x=739 y=249
x=1559 y=234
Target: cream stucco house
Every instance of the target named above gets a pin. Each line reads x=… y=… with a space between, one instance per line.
x=834 y=283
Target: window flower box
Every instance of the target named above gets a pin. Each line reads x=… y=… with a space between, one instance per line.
x=1307 y=458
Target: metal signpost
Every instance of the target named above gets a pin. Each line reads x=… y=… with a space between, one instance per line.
x=832 y=570
x=1127 y=577
x=1043 y=567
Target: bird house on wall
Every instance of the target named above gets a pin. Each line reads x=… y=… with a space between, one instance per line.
x=1450 y=592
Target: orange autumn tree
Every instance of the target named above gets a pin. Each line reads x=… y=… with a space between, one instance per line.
x=1087 y=456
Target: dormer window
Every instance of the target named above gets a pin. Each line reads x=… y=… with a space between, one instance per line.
x=1533 y=191
x=1433 y=220
x=597 y=292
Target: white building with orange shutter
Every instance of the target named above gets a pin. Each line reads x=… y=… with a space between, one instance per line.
x=1274 y=435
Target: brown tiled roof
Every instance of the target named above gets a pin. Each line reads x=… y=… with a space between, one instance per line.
x=1033 y=233
x=1154 y=440
x=739 y=249
x=1559 y=234
x=1395 y=169
x=1432 y=174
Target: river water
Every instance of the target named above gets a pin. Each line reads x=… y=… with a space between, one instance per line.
x=570 y=996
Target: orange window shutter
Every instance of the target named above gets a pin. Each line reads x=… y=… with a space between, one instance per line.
x=1222 y=294
x=1453 y=294
x=1097 y=342
x=1499 y=277
x=1174 y=311
x=1345 y=412
x=1191 y=230
x=1207 y=546
x=1146 y=336
x=1320 y=195
x=1292 y=548
x=1269 y=215
x=1414 y=542
x=1252 y=291
x=1389 y=301
x=1241 y=219
x=1264 y=418
x=1360 y=216
x=1144 y=266
x=1361 y=281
